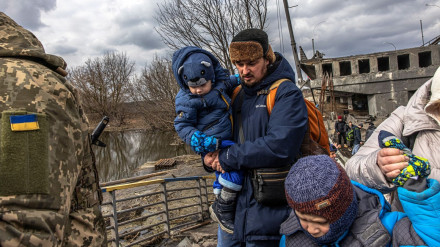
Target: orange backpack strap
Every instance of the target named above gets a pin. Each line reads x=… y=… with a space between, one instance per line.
x=235 y=93
x=270 y=99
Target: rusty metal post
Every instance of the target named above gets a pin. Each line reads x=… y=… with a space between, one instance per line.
x=201 y=198
x=114 y=219
x=167 y=213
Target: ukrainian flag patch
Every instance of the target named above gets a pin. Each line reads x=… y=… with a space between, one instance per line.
x=24 y=122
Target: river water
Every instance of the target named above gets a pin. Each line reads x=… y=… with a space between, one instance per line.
x=127 y=150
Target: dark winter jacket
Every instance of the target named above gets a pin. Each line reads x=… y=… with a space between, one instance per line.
x=269 y=142
x=209 y=113
x=370 y=131
x=357 y=135
x=372 y=226
x=341 y=126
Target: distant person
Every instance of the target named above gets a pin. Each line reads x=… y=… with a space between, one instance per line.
x=357 y=142
x=49 y=185
x=333 y=151
x=370 y=130
x=329 y=210
x=266 y=144
x=340 y=130
x=204 y=120
x=417 y=125
x=349 y=134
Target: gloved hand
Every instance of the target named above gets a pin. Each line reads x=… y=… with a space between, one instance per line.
x=210 y=144
x=197 y=142
x=417 y=166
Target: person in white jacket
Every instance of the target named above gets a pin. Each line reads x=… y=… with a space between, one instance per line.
x=419 y=122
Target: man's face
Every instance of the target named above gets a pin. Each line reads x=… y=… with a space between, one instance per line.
x=316 y=225
x=252 y=72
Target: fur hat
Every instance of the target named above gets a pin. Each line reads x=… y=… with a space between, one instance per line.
x=196 y=70
x=317 y=185
x=251 y=44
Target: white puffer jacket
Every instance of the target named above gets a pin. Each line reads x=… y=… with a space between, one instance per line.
x=418 y=116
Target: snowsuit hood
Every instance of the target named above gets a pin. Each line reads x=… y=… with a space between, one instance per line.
x=179 y=58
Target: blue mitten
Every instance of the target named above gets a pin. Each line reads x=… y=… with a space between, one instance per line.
x=210 y=144
x=197 y=142
x=417 y=166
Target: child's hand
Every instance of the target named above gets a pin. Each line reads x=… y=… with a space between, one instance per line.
x=197 y=142
x=210 y=143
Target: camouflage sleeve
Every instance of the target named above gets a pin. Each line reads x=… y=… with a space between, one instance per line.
x=87 y=226
x=48 y=181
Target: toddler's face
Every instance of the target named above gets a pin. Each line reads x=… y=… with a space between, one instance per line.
x=201 y=90
x=316 y=225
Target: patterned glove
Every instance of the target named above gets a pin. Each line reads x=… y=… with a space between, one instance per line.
x=210 y=144
x=197 y=142
x=417 y=166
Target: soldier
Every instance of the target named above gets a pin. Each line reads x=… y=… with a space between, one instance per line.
x=49 y=191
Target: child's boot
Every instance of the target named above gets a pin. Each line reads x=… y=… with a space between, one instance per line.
x=223 y=212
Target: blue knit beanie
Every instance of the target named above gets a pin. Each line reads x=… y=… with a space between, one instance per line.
x=318 y=185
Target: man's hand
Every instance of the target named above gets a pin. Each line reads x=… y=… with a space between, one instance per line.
x=211 y=159
x=391 y=161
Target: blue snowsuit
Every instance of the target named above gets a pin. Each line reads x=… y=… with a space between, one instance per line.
x=210 y=113
x=270 y=141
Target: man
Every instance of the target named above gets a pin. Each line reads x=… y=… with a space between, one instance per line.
x=49 y=192
x=370 y=130
x=267 y=141
x=340 y=130
x=357 y=142
x=349 y=134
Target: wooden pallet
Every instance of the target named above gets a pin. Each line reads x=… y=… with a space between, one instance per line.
x=165 y=164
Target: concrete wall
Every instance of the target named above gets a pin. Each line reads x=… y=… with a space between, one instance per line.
x=385 y=90
x=383 y=104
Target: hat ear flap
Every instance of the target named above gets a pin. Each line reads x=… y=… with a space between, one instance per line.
x=270 y=55
x=207 y=64
x=179 y=71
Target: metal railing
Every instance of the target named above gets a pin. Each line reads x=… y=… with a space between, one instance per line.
x=144 y=212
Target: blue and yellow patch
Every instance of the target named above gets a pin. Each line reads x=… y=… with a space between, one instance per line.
x=24 y=122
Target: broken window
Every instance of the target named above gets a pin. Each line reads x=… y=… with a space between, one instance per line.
x=364 y=66
x=425 y=59
x=403 y=61
x=345 y=68
x=327 y=68
x=383 y=63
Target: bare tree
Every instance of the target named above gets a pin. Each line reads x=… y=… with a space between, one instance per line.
x=209 y=24
x=155 y=91
x=103 y=83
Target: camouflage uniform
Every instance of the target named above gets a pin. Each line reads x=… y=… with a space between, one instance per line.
x=49 y=191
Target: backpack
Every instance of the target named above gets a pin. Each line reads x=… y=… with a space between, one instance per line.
x=316 y=138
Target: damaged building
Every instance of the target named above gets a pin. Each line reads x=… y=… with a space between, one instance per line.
x=375 y=83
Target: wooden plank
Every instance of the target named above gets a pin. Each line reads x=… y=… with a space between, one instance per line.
x=165 y=163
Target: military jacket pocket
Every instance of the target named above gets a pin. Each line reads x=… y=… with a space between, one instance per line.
x=24 y=157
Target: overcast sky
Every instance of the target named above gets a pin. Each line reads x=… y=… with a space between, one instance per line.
x=79 y=29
